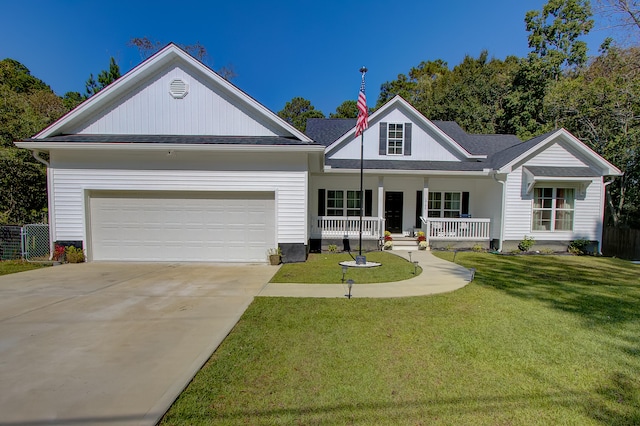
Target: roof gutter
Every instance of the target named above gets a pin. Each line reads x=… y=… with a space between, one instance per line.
x=328 y=169
x=48 y=146
x=36 y=154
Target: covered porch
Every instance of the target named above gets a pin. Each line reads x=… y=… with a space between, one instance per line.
x=451 y=211
x=340 y=228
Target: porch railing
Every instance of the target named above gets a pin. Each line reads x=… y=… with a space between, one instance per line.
x=349 y=226
x=458 y=229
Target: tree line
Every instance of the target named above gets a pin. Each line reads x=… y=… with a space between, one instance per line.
x=556 y=85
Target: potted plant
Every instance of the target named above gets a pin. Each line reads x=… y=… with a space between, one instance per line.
x=421 y=239
x=388 y=240
x=275 y=255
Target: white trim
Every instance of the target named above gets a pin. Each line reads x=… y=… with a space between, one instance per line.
x=485 y=172
x=130 y=79
x=421 y=118
x=107 y=146
x=609 y=169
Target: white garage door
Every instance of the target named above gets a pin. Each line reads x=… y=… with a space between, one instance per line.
x=168 y=226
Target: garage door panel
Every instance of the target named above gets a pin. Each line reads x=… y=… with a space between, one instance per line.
x=197 y=227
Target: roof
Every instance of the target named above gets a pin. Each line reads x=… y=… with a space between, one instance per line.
x=168 y=56
x=450 y=166
x=509 y=154
x=477 y=144
x=327 y=130
x=551 y=172
x=174 y=139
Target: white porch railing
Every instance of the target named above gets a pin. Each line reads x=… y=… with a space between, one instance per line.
x=456 y=229
x=341 y=226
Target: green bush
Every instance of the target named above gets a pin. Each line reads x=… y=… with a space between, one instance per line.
x=74 y=255
x=526 y=243
x=578 y=247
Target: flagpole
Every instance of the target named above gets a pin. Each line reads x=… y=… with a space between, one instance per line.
x=363 y=70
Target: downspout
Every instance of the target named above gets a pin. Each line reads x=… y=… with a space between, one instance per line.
x=502 y=208
x=604 y=187
x=36 y=155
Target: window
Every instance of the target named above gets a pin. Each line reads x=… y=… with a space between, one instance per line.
x=336 y=205
x=445 y=204
x=553 y=209
x=395 y=139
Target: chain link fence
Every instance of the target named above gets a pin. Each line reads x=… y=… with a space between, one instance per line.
x=10 y=242
x=29 y=242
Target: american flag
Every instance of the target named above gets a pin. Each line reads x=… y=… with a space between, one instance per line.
x=363 y=115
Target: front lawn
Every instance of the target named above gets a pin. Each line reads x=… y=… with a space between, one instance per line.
x=532 y=340
x=324 y=268
x=13 y=266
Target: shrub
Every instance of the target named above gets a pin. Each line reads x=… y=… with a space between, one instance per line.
x=578 y=247
x=74 y=255
x=332 y=248
x=478 y=248
x=526 y=243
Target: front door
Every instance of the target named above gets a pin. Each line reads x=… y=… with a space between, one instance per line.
x=393 y=211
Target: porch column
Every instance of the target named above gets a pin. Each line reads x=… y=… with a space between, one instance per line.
x=425 y=198
x=381 y=199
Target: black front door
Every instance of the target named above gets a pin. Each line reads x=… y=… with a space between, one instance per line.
x=393 y=211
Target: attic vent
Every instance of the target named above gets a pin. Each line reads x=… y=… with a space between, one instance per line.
x=178 y=88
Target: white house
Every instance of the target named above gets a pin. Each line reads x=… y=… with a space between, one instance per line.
x=173 y=163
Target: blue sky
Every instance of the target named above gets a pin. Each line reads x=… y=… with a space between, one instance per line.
x=279 y=49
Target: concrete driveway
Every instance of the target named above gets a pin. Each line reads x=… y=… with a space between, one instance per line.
x=106 y=343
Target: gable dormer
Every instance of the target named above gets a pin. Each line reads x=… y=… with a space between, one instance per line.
x=397 y=131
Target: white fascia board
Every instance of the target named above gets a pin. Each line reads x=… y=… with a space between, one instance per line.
x=610 y=169
x=399 y=99
x=51 y=146
x=165 y=55
x=328 y=169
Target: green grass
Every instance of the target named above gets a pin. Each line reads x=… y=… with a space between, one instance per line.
x=13 y=266
x=532 y=340
x=324 y=268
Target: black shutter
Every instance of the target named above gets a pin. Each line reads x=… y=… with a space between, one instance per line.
x=418 y=209
x=465 y=203
x=321 y=202
x=368 y=202
x=383 y=139
x=407 y=139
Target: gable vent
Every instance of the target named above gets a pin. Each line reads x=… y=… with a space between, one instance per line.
x=178 y=88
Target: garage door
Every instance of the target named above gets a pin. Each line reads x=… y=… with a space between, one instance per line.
x=166 y=226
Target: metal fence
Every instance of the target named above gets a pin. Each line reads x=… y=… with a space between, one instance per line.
x=29 y=242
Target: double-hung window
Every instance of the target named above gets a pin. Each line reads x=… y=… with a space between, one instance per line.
x=343 y=203
x=395 y=139
x=445 y=204
x=553 y=209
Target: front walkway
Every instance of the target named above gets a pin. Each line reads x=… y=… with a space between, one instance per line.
x=438 y=276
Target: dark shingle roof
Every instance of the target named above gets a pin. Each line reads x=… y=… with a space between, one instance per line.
x=175 y=139
x=477 y=144
x=328 y=130
x=505 y=156
x=465 y=166
x=552 y=172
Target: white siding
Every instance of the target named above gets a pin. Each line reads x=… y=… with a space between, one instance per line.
x=150 y=109
x=70 y=183
x=424 y=144
x=557 y=155
x=587 y=220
